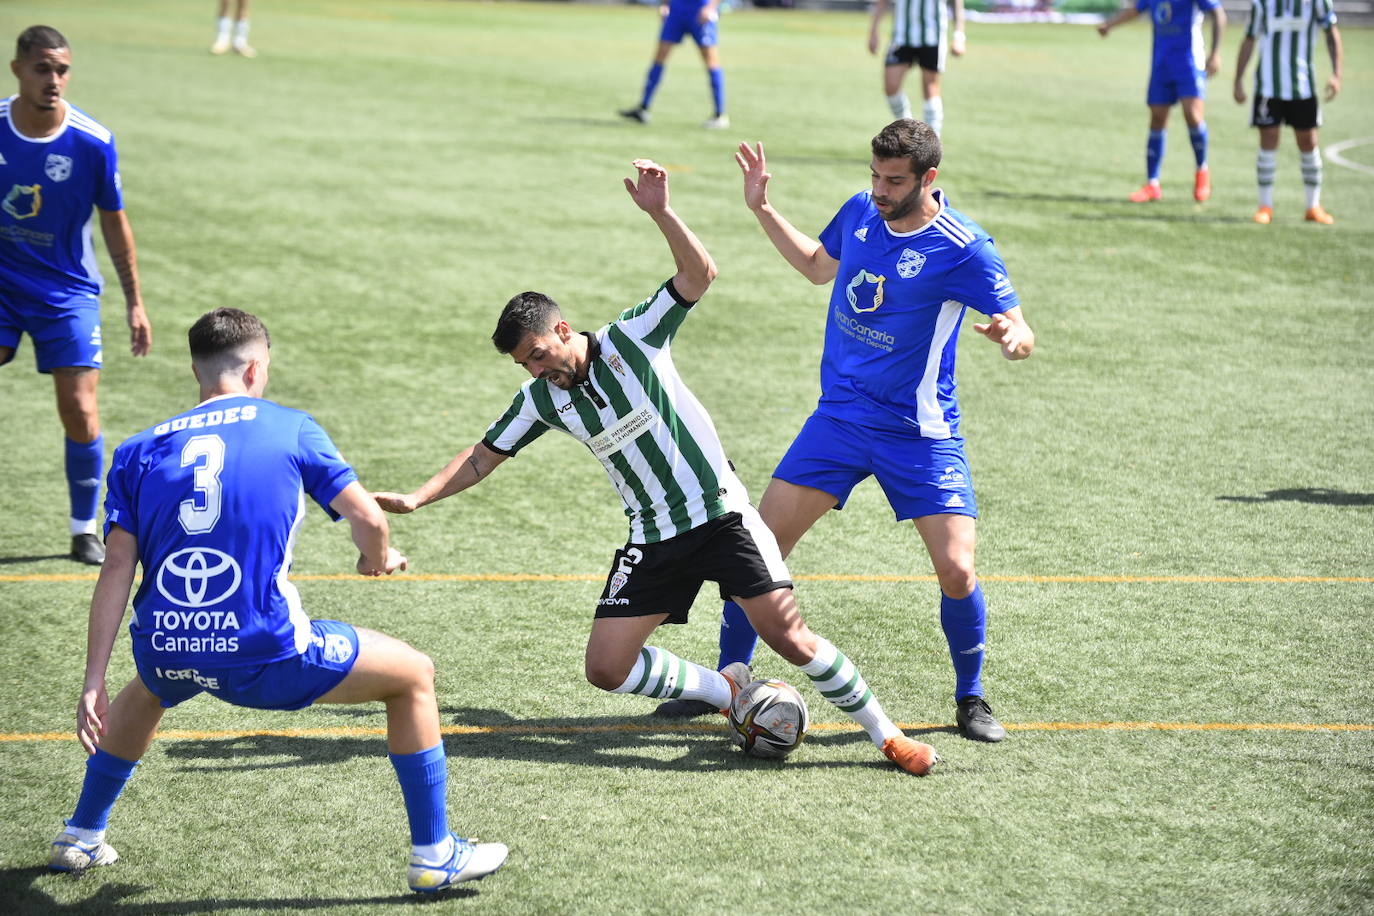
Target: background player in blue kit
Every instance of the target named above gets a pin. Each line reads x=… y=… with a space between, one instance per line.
x=904 y=265
x=699 y=19
x=1178 y=73
x=209 y=502
x=56 y=164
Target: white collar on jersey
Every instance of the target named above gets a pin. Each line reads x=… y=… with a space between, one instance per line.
x=66 y=119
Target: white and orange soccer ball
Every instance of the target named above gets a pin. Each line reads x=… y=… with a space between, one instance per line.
x=768 y=718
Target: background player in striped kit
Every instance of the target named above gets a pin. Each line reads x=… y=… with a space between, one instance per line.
x=617 y=391
x=700 y=19
x=1178 y=74
x=903 y=266
x=56 y=165
x=918 y=37
x=1286 y=91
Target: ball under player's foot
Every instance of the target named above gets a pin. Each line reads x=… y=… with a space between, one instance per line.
x=471 y=861
x=910 y=754
x=1264 y=216
x=86 y=548
x=1318 y=215
x=1148 y=192
x=1202 y=185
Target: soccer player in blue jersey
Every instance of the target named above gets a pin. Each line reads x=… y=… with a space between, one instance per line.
x=699 y=19
x=1178 y=74
x=905 y=266
x=209 y=502
x=56 y=164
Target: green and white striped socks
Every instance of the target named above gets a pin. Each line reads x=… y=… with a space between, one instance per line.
x=839 y=681
x=661 y=674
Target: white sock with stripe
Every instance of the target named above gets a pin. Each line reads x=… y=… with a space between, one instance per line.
x=1312 y=177
x=935 y=113
x=1266 y=163
x=839 y=681
x=661 y=674
x=900 y=105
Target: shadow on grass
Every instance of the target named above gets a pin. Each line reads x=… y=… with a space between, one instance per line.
x=22 y=892
x=1321 y=496
x=8 y=561
x=700 y=745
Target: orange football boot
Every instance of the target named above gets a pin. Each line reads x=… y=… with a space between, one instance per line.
x=1318 y=215
x=910 y=754
x=1264 y=216
x=1147 y=192
x=1202 y=185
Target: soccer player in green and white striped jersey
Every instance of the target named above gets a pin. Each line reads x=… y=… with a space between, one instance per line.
x=1286 y=90
x=918 y=38
x=617 y=391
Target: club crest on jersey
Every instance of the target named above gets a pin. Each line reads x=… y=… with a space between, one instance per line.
x=58 y=167
x=618 y=581
x=614 y=362
x=24 y=201
x=910 y=263
x=860 y=279
x=198 y=577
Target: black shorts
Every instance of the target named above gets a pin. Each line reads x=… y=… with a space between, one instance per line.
x=927 y=57
x=737 y=551
x=1299 y=114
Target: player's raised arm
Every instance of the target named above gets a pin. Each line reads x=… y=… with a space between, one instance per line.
x=695 y=268
x=1009 y=331
x=470 y=466
x=1125 y=15
x=108 y=602
x=804 y=253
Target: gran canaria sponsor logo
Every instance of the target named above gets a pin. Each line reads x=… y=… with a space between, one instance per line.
x=24 y=201
x=857 y=329
x=857 y=284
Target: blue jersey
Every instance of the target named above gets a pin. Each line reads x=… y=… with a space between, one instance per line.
x=215 y=496
x=895 y=312
x=1177 y=29
x=50 y=185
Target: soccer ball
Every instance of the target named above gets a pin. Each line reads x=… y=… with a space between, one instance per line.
x=768 y=719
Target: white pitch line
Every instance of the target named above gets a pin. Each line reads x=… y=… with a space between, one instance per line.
x=1333 y=152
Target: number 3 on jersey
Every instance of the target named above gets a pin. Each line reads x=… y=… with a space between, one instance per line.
x=199 y=514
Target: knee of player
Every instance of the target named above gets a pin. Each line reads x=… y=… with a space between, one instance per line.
x=603 y=674
x=796 y=645
x=421 y=668
x=956 y=575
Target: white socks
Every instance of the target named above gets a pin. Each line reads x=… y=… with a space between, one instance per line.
x=900 y=105
x=660 y=674
x=1312 y=177
x=1266 y=163
x=935 y=113
x=840 y=682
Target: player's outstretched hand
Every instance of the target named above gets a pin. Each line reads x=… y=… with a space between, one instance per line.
x=91 y=710
x=140 y=331
x=650 y=193
x=1007 y=333
x=1333 y=87
x=755 y=168
x=397 y=503
x=394 y=561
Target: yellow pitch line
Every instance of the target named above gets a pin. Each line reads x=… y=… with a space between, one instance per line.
x=819 y=577
x=361 y=731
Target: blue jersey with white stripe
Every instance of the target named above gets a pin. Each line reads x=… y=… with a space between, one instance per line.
x=895 y=312
x=1177 y=29
x=50 y=185
x=215 y=496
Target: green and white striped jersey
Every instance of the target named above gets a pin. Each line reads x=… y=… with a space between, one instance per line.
x=1285 y=33
x=919 y=23
x=634 y=413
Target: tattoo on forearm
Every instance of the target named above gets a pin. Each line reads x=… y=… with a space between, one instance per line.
x=128 y=274
x=476 y=467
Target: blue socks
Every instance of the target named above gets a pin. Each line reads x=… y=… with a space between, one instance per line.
x=651 y=85
x=1154 y=154
x=424 y=786
x=85 y=461
x=965 y=622
x=1198 y=135
x=737 y=636
x=106 y=775
x=718 y=89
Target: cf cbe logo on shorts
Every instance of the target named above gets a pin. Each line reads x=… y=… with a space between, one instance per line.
x=624 y=566
x=198 y=577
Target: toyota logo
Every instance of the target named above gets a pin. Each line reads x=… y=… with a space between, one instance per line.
x=198 y=577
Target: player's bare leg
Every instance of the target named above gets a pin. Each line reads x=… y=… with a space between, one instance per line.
x=950 y=540
x=1266 y=164
x=778 y=622
x=79 y=411
x=618 y=661
x=402 y=678
x=1193 y=108
x=897 y=101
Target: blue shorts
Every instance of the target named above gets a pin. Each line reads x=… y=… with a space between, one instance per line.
x=292 y=683
x=919 y=476
x=1171 y=82
x=64 y=333
x=680 y=22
